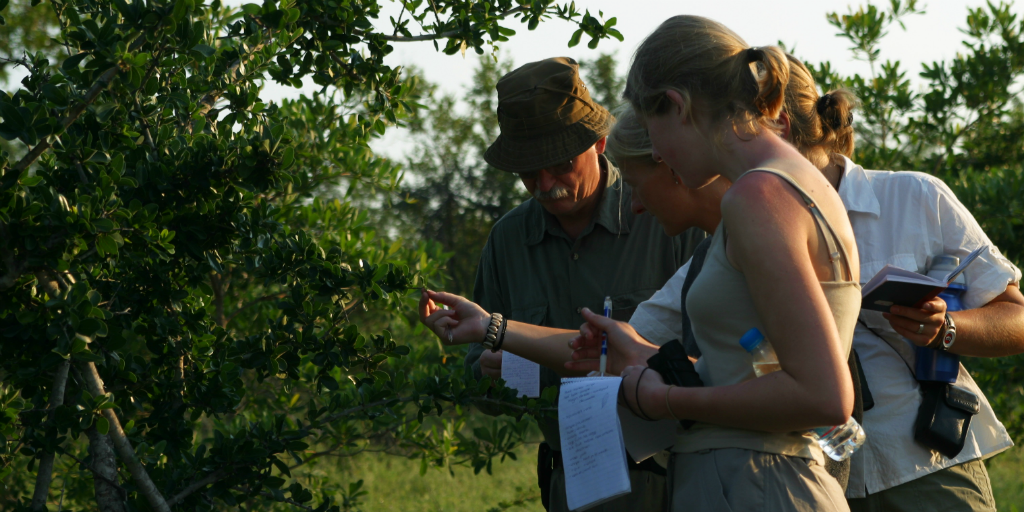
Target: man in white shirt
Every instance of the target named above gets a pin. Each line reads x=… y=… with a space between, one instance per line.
x=903 y=219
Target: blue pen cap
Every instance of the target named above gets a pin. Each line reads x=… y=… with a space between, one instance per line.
x=751 y=339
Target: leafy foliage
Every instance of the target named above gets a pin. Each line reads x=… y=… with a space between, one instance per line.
x=198 y=249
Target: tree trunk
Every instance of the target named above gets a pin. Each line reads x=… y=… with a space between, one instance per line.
x=101 y=450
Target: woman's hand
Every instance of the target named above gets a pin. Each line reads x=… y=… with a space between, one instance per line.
x=465 y=322
x=920 y=326
x=625 y=346
x=643 y=392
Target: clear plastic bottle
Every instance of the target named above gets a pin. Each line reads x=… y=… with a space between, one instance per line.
x=838 y=442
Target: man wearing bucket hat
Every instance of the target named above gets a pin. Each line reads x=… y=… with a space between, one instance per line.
x=574 y=243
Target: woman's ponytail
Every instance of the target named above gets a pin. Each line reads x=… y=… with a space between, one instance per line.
x=772 y=75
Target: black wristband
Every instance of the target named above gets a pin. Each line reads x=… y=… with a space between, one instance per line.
x=501 y=335
x=637 y=396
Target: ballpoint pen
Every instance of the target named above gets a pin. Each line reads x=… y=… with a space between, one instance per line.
x=604 y=335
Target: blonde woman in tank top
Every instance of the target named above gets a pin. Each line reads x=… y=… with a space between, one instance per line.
x=783 y=260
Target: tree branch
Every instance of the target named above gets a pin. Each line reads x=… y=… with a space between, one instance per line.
x=122 y=445
x=199 y=484
x=94 y=92
x=45 y=474
x=425 y=37
x=109 y=497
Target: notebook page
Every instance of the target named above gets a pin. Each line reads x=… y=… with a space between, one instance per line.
x=521 y=374
x=593 y=452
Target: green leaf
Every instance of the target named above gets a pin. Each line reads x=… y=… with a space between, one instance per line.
x=102 y=425
x=103 y=225
x=575 y=39
x=180 y=9
x=251 y=9
x=287 y=157
x=206 y=50
x=73 y=61
x=105 y=245
x=32 y=181
x=11 y=116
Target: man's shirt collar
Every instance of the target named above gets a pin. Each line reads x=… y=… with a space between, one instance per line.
x=613 y=211
x=856 y=191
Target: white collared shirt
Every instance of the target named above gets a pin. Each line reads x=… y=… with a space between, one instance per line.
x=902 y=219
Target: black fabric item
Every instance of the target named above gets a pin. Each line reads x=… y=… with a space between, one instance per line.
x=545 y=467
x=944 y=417
x=675 y=368
x=696 y=263
x=867 y=400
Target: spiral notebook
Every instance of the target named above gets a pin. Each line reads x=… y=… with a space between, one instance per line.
x=593 y=451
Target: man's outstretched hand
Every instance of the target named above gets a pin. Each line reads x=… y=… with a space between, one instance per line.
x=465 y=321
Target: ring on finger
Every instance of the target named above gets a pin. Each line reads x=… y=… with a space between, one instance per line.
x=920 y=328
x=570 y=345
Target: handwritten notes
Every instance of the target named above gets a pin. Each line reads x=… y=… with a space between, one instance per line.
x=521 y=374
x=593 y=452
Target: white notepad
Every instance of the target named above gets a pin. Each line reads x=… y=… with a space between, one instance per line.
x=521 y=374
x=593 y=452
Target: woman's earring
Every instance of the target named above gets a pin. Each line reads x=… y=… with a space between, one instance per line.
x=675 y=179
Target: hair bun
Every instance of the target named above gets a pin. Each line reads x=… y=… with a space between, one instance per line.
x=825 y=106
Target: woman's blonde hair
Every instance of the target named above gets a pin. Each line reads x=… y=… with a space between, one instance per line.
x=628 y=138
x=719 y=77
x=820 y=126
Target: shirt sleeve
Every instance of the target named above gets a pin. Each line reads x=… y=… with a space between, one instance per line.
x=659 y=319
x=988 y=276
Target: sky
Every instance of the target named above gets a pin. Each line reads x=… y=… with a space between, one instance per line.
x=800 y=24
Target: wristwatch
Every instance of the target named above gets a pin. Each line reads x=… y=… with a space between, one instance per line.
x=949 y=334
x=493 y=329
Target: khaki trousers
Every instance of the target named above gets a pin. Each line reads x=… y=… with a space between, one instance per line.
x=737 y=480
x=961 y=488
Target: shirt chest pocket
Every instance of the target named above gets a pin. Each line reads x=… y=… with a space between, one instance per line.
x=535 y=315
x=624 y=305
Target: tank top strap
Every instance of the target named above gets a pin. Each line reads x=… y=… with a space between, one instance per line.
x=837 y=253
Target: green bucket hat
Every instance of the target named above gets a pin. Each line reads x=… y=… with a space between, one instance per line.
x=546 y=117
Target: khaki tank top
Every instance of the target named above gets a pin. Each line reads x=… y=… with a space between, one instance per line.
x=721 y=310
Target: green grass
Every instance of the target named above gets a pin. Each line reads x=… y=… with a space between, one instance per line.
x=395 y=484
x=1006 y=471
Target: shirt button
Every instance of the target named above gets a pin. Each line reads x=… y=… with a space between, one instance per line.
x=575 y=256
x=579 y=310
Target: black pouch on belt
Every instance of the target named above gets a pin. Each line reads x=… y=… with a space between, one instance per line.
x=545 y=467
x=673 y=365
x=945 y=417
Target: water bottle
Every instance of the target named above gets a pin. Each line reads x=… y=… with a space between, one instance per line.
x=838 y=442
x=931 y=365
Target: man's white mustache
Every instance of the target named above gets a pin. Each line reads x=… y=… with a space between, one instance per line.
x=556 y=192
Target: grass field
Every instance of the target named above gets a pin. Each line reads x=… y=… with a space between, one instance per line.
x=395 y=484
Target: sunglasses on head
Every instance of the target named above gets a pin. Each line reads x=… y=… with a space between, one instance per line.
x=554 y=170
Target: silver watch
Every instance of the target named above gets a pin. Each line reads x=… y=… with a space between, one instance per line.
x=949 y=335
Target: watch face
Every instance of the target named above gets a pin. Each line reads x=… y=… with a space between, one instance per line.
x=947 y=339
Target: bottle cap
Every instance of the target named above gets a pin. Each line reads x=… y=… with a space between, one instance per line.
x=944 y=264
x=751 y=339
